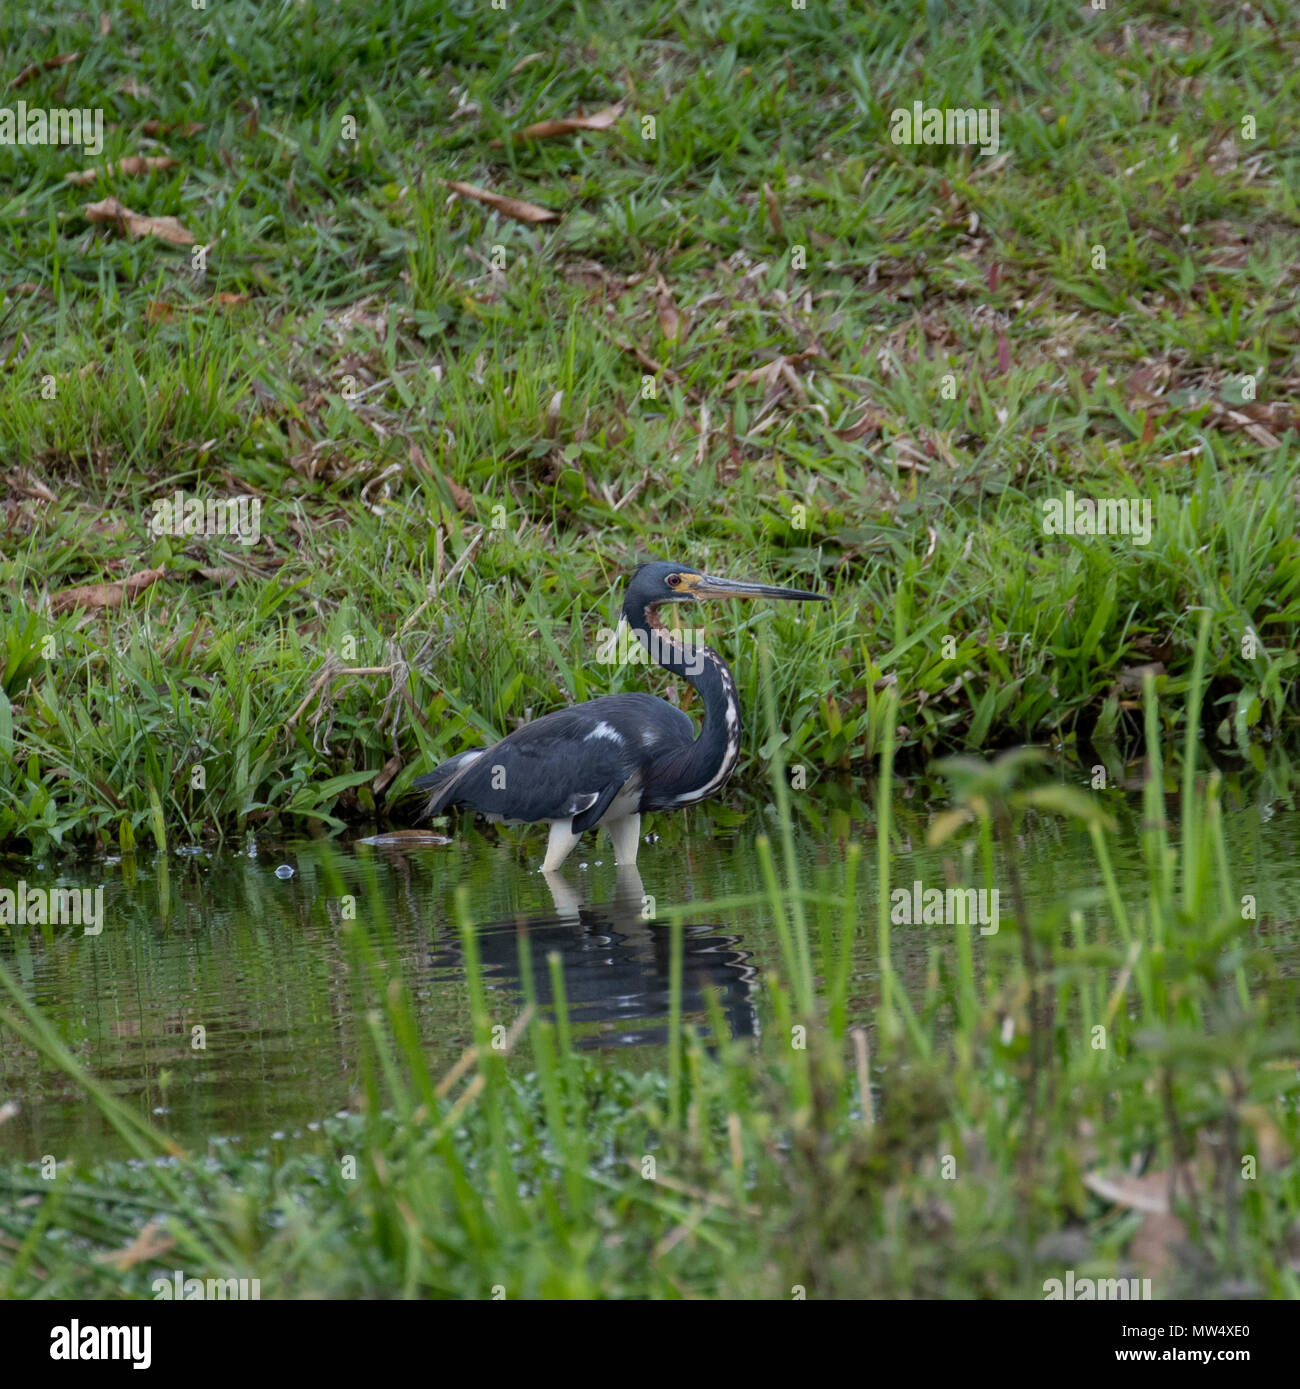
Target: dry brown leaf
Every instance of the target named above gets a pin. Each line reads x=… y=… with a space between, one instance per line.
x=182 y=128
x=389 y=770
x=779 y=368
x=159 y=310
x=1262 y=420
x=773 y=210
x=224 y=576
x=1149 y=1192
x=105 y=25
x=148 y=1244
x=1159 y=1229
x=104 y=595
x=1004 y=354
x=509 y=207
x=30 y=487
x=765 y=375
x=115 y=214
x=598 y=120
x=463 y=500
x=868 y=424
x=670 y=321
x=132 y=164
x=1144 y=386
x=48 y=65
x=525 y=60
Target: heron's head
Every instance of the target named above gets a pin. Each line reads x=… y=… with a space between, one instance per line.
x=665 y=582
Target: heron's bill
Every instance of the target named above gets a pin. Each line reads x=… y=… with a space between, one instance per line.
x=710 y=586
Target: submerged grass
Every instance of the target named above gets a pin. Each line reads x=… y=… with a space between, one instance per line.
x=1116 y=1097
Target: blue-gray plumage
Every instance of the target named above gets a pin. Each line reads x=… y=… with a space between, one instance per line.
x=610 y=760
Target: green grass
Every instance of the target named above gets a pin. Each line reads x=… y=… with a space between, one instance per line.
x=402 y=406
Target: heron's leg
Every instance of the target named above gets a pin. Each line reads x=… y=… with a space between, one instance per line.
x=560 y=845
x=626 y=834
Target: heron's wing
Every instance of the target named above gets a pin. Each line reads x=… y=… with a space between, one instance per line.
x=568 y=764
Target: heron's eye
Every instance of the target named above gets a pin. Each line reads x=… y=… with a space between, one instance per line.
x=674 y=581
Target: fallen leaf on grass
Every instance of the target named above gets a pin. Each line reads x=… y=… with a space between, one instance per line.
x=132 y=164
x=510 y=207
x=47 y=65
x=670 y=321
x=1261 y=420
x=182 y=128
x=104 y=595
x=115 y=214
x=1004 y=355
x=226 y=577
x=773 y=210
x=159 y=310
x=868 y=424
x=148 y=1244
x=770 y=374
x=1149 y=1192
x=525 y=60
x=1145 y=386
x=30 y=487
x=568 y=125
x=389 y=770
x=1159 y=1229
x=464 y=501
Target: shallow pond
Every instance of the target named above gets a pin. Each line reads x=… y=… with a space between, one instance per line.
x=260 y=962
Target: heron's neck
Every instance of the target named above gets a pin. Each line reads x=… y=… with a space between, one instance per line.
x=718 y=744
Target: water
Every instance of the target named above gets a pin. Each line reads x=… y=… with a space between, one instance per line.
x=218 y=997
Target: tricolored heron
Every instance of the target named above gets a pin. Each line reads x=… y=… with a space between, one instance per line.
x=612 y=759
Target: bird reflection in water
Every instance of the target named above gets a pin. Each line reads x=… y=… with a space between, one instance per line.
x=616 y=965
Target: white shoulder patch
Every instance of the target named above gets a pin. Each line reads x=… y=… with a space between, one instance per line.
x=604 y=730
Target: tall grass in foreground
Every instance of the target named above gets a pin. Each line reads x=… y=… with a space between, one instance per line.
x=1091 y=1092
